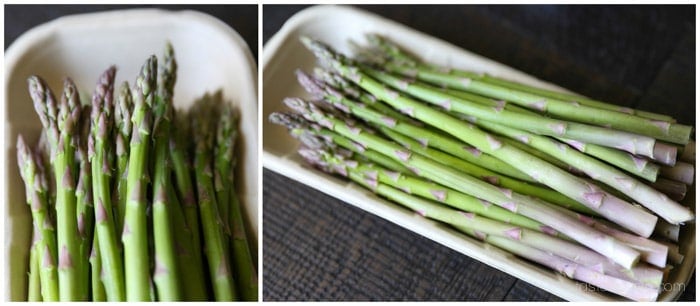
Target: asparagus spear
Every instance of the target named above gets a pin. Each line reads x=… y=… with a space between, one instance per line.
x=589 y=195
x=227 y=133
x=546 y=194
x=662 y=130
x=338 y=84
x=682 y=172
x=630 y=163
x=34 y=290
x=651 y=251
x=411 y=128
x=411 y=184
x=223 y=167
x=192 y=280
x=577 y=272
x=166 y=272
x=182 y=169
x=83 y=198
x=59 y=124
x=97 y=285
x=401 y=57
x=633 y=143
x=100 y=143
x=640 y=275
x=218 y=261
x=123 y=111
x=381 y=121
x=135 y=235
x=86 y=218
x=642 y=193
x=44 y=231
x=454 y=179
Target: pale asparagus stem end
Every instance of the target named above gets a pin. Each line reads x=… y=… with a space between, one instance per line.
x=665 y=154
x=682 y=172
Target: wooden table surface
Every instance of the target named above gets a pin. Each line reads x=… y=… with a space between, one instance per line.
x=316 y=247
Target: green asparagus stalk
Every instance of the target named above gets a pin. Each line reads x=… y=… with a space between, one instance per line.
x=312 y=134
x=70 y=261
x=35 y=183
x=662 y=130
x=338 y=85
x=100 y=143
x=34 y=290
x=244 y=269
x=166 y=272
x=636 y=165
x=613 y=156
x=366 y=178
x=382 y=122
x=192 y=280
x=214 y=240
x=399 y=123
x=182 y=169
x=135 y=235
x=401 y=57
x=633 y=143
x=98 y=289
x=123 y=111
x=642 y=193
x=603 y=203
x=454 y=179
x=245 y=266
x=414 y=185
x=86 y=218
x=573 y=98
x=223 y=173
x=44 y=159
x=630 y=163
x=59 y=124
x=83 y=197
x=476 y=171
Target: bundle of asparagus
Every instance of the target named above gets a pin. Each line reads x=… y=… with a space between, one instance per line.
x=576 y=185
x=134 y=200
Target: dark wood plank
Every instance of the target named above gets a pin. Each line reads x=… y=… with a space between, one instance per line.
x=522 y=291
x=316 y=247
x=673 y=89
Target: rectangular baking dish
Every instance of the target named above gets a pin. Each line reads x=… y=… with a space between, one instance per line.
x=210 y=56
x=336 y=25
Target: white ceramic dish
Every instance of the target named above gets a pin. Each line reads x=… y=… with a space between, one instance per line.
x=336 y=26
x=210 y=56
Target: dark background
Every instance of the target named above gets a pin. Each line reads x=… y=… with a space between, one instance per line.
x=316 y=247
x=20 y=18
